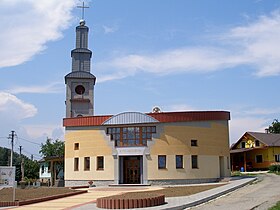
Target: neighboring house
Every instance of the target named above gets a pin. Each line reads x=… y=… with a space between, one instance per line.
x=152 y=148
x=51 y=171
x=255 y=151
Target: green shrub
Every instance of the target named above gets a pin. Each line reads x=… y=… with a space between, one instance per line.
x=274 y=168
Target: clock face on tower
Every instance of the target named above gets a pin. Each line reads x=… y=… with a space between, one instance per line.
x=80 y=90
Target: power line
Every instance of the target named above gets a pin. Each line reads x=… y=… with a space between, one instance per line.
x=29 y=141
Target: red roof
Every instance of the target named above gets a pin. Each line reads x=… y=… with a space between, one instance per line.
x=161 y=117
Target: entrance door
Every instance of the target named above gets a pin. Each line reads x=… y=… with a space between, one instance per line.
x=132 y=170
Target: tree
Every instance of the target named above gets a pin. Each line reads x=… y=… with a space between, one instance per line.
x=274 y=127
x=52 y=148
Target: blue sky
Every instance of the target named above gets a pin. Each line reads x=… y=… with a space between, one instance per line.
x=178 y=55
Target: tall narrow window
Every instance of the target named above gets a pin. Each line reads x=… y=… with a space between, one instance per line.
x=76 y=146
x=76 y=164
x=257 y=143
x=87 y=163
x=179 y=161
x=277 y=158
x=243 y=144
x=162 y=161
x=194 y=161
x=194 y=143
x=100 y=163
x=259 y=159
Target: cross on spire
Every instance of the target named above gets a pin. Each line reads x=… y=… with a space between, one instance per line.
x=83 y=9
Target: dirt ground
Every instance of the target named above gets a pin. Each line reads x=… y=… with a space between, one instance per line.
x=6 y=194
x=168 y=191
x=29 y=193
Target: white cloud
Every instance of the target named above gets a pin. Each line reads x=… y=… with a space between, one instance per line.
x=108 y=29
x=240 y=125
x=28 y=25
x=253 y=45
x=44 y=130
x=12 y=108
x=55 y=87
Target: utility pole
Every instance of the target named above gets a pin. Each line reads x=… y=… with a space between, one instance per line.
x=21 y=164
x=12 y=137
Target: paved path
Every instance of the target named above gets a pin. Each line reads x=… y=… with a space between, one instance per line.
x=87 y=201
x=75 y=201
x=258 y=196
x=179 y=203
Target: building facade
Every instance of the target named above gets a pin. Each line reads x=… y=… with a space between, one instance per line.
x=255 y=151
x=133 y=147
x=153 y=148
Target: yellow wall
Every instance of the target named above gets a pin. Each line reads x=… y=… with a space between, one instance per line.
x=213 y=142
x=171 y=139
x=92 y=143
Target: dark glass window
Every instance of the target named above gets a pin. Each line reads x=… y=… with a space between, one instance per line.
x=87 y=163
x=76 y=164
x=243 y=144
x=259 y=159
x=131 y=136
x=257 y=143
x=162 y=161
x=194 y=161
x=277 y=158
x=76 y=146
x=100 y=163
x=194 y=143
x=80 y=90
x=179 y=161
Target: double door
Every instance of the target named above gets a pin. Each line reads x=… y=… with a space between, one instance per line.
x=132 y=172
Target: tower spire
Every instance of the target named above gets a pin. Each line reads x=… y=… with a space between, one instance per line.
x=80 y=81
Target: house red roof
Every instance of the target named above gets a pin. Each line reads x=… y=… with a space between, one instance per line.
x=163 y=117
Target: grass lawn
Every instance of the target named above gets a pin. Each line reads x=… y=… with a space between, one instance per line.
x=276 y=207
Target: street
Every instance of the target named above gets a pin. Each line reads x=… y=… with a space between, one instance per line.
x=258 y=196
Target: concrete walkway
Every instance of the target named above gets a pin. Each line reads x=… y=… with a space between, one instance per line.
x=192 y=200
x=87 y=200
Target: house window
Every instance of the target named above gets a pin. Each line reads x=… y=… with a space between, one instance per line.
x=194 y=161
x=194 y=143
x=277 y=158
x=179 y=161
x=87 y=163
x=243 y=144
x=76 y=146
x=131 y=136
x=257 y=143
x=259 y=159
x=42 y=169
x=100 y=163
x=162 y=161
x=76 y=164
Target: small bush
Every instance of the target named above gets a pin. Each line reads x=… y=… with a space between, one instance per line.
x=274 y=168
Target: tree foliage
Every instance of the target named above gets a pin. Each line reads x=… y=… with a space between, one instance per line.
x=52 y=148
x=274 y=127
x=31 y=168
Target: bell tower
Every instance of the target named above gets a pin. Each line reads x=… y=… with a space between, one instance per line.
x=80 y=82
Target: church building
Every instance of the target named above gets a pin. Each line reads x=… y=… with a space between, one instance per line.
x=137 y=148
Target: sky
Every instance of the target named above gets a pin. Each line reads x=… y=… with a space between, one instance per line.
x=180 y=55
